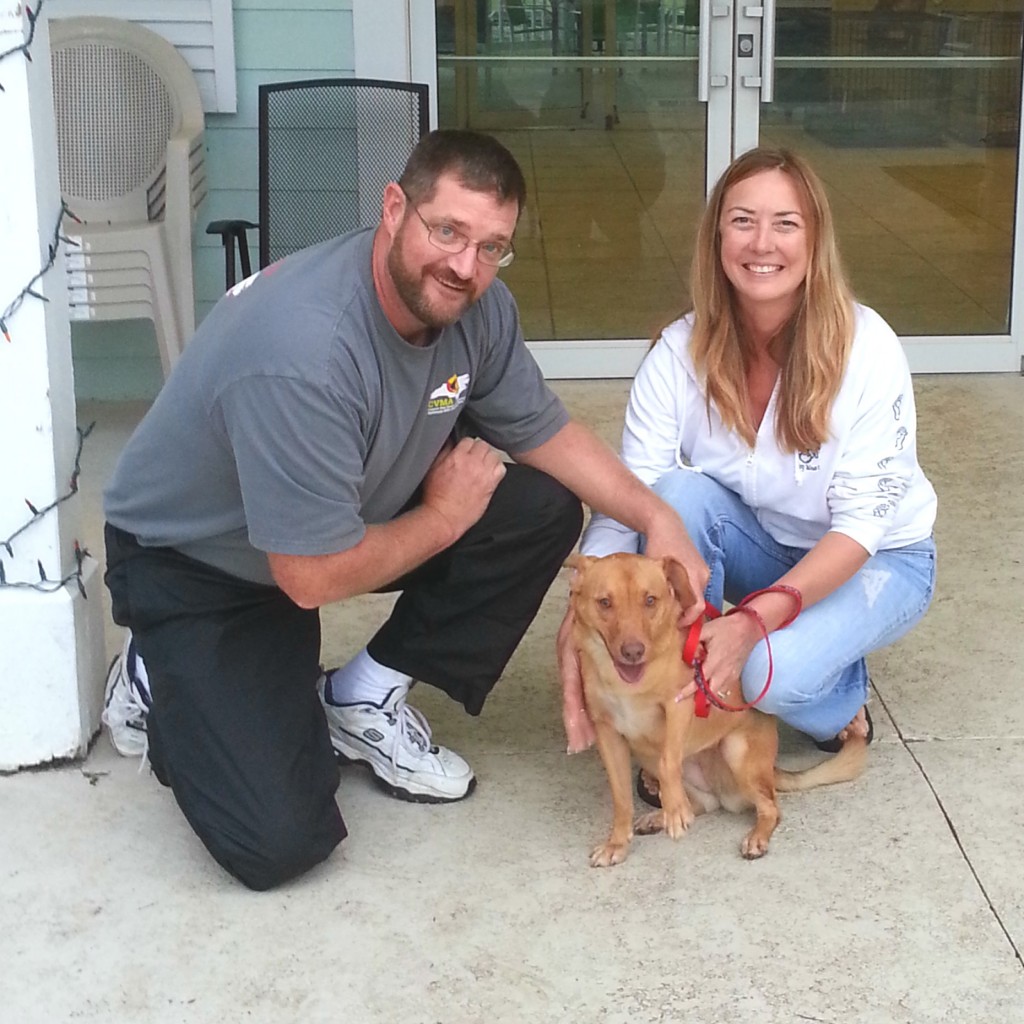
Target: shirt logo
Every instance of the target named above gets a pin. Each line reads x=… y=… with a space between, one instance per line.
x=807 y=461
x=237 y=290
x=449 y=396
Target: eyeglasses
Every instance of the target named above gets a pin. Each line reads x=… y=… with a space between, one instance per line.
x=451 y=239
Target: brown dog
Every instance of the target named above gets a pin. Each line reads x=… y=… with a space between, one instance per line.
x=626 y=610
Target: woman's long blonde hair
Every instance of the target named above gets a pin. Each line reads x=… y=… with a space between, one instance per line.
x=813 y=344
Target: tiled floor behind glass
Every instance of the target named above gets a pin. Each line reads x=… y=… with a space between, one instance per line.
x=925 y=232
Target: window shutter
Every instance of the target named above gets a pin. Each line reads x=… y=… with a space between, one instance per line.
x=201 y=30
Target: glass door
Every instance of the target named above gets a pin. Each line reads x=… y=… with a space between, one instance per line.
x=597 y=99
x=911 y=114
x=622 y=112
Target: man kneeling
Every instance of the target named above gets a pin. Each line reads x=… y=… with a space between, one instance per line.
x=328 y=432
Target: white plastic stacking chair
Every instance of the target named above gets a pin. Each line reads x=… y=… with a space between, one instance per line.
x=130 y=147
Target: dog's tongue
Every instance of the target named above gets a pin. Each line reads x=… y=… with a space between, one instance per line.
x=630 y=673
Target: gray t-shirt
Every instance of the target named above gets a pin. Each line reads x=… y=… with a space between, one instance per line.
x=297 y=414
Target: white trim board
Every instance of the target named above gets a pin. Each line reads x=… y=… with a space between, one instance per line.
x=202 y=31
x=394 y=39
x=590 y=360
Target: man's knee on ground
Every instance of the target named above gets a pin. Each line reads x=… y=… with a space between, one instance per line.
x=280 y=851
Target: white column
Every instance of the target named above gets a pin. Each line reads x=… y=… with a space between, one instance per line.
x=51 y=640
x=394 y=40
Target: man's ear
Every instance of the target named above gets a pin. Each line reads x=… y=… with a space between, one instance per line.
x=393 y=207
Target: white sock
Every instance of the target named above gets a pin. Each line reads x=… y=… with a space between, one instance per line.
x=365 y=680
x=138 y=670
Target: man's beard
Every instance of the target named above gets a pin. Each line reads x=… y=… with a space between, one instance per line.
x=411 y=288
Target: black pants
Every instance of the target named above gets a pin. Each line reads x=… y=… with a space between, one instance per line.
x=236 y=728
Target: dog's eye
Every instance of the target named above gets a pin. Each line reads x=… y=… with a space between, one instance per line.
x=650 y=601
x=604 y=602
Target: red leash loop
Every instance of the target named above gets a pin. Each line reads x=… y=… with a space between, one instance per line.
x=778 y=588
x=705 y=698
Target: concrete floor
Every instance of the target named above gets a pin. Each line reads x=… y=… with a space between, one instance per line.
x=898 y=898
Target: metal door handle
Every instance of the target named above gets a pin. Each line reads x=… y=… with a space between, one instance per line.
x=768 y=51
x=704 y=77
x=766 y=80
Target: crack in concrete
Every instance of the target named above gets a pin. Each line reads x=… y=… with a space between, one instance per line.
x=908 y=745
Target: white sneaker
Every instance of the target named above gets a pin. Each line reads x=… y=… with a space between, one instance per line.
x=125 y=704
x=393 y=741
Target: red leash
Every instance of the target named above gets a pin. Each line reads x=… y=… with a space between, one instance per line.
x=705 y=698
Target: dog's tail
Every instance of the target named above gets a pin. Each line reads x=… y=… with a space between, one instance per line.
x=845 y=766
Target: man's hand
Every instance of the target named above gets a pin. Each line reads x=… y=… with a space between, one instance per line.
x=579 y=729
x=460 y=483
x=456 y=492
x=576 y=457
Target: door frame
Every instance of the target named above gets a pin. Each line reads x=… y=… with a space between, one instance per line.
x=396 y=39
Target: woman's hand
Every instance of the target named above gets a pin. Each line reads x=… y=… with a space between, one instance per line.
x=579 y=729
x=728 y=642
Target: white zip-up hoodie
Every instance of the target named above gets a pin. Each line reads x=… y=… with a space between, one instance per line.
x=864 y=482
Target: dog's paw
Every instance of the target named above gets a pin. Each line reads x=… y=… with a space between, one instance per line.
x=677 y=822
x=605 y=855
x=754 y=846
x=649 y=823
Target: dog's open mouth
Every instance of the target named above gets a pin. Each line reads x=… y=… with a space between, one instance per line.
x=631 y=674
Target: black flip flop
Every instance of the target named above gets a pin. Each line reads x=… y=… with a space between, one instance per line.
x=834 y=745
x=649 y=798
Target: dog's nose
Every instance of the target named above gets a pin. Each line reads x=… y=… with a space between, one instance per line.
x=632 y=652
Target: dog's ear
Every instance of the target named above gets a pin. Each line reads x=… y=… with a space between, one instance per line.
x=679 y=581
x=578 y=563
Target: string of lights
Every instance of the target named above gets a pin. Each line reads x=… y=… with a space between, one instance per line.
x=25 y=47
x=29 y=290
x=46 y=584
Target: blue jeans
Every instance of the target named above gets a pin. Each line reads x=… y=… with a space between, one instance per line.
x=820 y=679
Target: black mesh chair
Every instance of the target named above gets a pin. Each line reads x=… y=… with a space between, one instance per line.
x=327 y=148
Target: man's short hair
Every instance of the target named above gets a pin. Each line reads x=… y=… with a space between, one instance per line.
x=479 y=161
